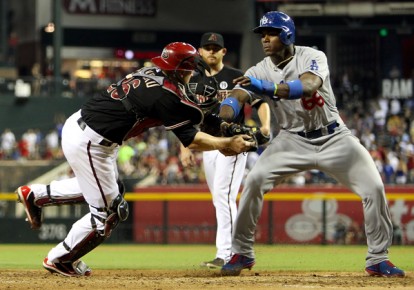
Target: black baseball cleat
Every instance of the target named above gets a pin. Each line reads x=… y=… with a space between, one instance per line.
x=68 y=269
x=33 y=212
x=236 y=264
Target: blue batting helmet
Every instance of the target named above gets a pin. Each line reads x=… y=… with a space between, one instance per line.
x=278 y=20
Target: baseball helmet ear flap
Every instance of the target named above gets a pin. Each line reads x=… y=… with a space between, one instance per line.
x=278 y=20
x=177 y=56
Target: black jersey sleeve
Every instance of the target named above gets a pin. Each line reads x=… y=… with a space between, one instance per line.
x=180 y=116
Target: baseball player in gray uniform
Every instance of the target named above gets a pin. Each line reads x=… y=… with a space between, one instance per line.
x=294 y=80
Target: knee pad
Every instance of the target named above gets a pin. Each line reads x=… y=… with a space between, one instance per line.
x=118 y=212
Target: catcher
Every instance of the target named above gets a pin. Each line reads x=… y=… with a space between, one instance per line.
x=149 y=97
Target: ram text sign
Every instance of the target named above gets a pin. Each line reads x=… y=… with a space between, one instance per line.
x=397 y=88
x=112 y=7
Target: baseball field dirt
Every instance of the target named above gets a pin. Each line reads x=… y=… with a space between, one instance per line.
x=198 y=279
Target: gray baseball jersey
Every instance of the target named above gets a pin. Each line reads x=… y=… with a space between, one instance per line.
x=306 y=114
x=312 y=136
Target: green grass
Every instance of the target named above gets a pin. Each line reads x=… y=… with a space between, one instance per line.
x=169 y=257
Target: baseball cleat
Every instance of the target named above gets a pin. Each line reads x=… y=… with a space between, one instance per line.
x=216 y=263
x=68 y=269
x=236 y=264
x=384 y=269
x=33 y=212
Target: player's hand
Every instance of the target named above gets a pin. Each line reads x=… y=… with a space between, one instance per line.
x=243 y=81
x=187 y=157
x=241 y=143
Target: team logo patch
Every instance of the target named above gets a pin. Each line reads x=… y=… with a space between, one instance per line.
x=223 y=85
x=264 y=21
x=213 y=37
x=314 y=65
x=165 y=54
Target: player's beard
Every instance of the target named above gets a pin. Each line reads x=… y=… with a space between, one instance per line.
x=212 y=61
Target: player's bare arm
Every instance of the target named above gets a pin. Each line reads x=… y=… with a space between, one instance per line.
x=264 y=116
x=237 y=144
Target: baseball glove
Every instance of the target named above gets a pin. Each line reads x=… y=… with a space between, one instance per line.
x=233 y=129
x=260 y=137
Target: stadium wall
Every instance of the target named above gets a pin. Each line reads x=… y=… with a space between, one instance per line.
x=183 y=214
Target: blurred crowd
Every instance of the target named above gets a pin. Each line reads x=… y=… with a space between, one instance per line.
x=384 y=126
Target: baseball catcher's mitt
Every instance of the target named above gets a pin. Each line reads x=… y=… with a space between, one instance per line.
x=236 y=129
x=233 y=129
x=260 y=137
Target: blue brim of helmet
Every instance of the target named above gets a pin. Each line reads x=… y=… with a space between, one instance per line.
x=259 y=29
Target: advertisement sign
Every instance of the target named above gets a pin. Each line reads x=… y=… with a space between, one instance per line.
x=290 y=215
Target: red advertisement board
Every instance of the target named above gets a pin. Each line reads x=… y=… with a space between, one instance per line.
x=290 y=215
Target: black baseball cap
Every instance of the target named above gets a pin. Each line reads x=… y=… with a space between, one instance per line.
x=212 y=38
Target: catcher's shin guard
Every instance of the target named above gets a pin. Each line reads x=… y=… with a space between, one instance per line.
x=118 y=212
x=93 y=239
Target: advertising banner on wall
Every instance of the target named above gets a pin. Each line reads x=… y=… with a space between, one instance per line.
x=290 y=215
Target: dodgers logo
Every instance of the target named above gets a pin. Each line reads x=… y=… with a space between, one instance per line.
x=264 y=21
x=314 y=65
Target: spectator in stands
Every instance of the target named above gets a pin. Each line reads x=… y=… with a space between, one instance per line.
x=125 y=154
x=52 y=150
x=401 y=172
x=8 y=144
x=30 y=138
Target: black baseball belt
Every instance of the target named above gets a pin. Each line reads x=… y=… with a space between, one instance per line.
x=104 y=142
x=320 y=132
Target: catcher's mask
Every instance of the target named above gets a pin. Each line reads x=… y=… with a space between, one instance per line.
x=204 y=94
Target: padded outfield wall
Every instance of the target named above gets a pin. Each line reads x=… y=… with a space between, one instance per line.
x=185 y=214
x=311 y=214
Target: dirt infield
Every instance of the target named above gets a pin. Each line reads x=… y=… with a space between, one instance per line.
x=198 y=279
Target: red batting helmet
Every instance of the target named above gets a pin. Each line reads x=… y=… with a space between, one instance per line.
x=177 y=56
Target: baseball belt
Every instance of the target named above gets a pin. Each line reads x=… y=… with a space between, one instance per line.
x=103 y=142
x=320 y=132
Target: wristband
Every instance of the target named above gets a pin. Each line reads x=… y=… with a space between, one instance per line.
x=233 y=103
x=268 y=88
x=295 y=89
x=262 y=87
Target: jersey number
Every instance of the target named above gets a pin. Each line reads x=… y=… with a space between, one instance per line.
x=126 y=87
x=312 y=102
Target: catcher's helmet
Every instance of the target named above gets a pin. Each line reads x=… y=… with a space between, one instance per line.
x=177 y=56
x=278 y=20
